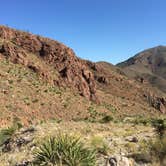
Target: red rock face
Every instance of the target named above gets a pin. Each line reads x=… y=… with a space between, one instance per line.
x=157 y=102
x=73 y=72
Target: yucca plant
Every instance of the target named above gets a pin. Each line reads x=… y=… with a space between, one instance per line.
x=64 y=150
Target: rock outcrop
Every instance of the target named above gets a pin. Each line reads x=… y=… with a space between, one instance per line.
x=72 y=71
x=157 y=102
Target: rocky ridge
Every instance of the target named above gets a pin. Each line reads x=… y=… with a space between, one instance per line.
x=28 y=62
x=16 y=45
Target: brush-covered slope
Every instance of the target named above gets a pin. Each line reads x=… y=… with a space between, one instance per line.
x=19 y=46
x=149 y=65
x=127 y=95
x=42 y=79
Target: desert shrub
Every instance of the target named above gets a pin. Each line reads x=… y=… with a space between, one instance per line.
x=92 y=111
x=64 y=150
x=109 y=107
x=141 y=120
x=6 y=134
x=158 y=150
x=106 y=119
x=160 y=126
x=100 y=145
x=130 y=147
x=93 y=115
x=17 y=123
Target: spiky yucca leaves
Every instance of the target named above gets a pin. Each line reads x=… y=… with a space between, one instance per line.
x=64 y=150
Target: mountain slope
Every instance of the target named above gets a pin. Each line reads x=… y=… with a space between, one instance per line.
x=42 y=79
x=18 y=47
x=149 y=65
x=129 y=95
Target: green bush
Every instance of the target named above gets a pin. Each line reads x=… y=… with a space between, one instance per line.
x=141 y=120
x=106 y=119
x=160 y=126
x=109 y=107
x=64 y=150
x=6 y=134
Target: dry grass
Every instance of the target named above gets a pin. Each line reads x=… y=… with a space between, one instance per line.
x=112 y=135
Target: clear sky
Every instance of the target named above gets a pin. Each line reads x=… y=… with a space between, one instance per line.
x=98 y=30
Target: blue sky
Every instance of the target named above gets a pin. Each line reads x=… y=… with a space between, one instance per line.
x=98 y=30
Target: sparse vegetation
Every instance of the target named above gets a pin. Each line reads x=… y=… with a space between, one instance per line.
x=157 y=150
x=40 y=84
x=154 y=149
x=139 y=120
x=93 y=114
x=105 y=139
x=158 y=123
x=160 y=127
x=106 y=119
x=157 y=147
x=6 y=134
x=109 y=107
x=100 y=145
x=130 y=147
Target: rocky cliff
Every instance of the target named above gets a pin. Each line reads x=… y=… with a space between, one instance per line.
x=71 y=71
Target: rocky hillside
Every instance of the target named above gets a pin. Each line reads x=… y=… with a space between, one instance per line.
x=43 y=79
x=19 y=46
x=149 y=65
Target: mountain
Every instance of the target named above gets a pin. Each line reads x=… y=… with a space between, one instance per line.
x=148 y=66
x=21 y=47
x=43 y=79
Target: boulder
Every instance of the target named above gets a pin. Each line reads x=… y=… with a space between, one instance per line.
x=118 y=160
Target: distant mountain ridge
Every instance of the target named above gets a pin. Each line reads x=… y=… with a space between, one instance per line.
x=149 y=65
